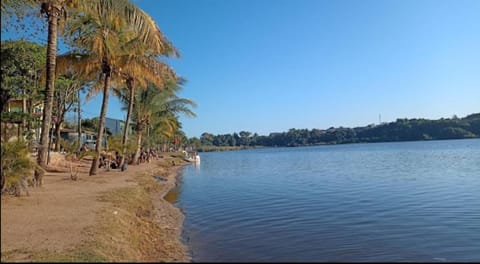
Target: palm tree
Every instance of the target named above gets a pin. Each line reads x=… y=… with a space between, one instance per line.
x=109 y=31
x=55 y=12
x=166 y=122
x=154 y=107
x=163 y=128
x=139 y=71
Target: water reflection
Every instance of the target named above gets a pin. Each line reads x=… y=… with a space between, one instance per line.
x=173 y=195
x=196 y=166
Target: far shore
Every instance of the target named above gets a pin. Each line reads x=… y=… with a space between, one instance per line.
x=109 y=217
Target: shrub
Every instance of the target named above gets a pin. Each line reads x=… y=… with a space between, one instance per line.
x=16 y=166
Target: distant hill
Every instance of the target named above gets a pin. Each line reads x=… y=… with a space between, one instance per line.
x=400 y=130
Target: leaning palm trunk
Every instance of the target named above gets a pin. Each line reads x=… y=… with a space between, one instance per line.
x=101 y=125
x=139 y=146
x=139 y=130
x=127 y=121
x=50 y=87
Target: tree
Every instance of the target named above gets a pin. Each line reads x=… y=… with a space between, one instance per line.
x=90 y=124
x=158 y=108
x=21 y=64
x=140 y=70
x=207 y=139
x=194 y=142
x=106 y=31
x=65 y=96
x=167 y=119
x=245 y=138
x=55 y=13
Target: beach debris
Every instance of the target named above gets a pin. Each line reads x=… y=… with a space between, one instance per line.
x=159 y=178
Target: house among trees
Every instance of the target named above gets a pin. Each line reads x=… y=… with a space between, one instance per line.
x=113 y=127
x=116 y=126
x=21 y=115
x=88 y=137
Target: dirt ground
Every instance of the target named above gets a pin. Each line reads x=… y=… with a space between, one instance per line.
x=54 y=216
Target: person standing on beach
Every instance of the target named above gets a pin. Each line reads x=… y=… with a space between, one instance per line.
x=84 y=148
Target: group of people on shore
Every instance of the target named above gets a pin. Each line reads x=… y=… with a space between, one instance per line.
x=113 y=161
x=147 y=155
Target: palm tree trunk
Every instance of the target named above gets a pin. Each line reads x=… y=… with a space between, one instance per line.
x=101 y=125
x=127 y=121
x=79 y=122
x=50 y=86
x=58 y=125
x=57 y=137
x=139 y=146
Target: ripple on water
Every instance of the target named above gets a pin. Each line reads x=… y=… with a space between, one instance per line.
x=410 y=201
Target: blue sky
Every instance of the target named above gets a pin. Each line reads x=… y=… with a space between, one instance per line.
x=270 y=65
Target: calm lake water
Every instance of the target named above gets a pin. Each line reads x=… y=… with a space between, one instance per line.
x=403 y=201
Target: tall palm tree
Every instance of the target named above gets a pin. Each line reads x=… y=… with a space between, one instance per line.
x=153 y=106
x=163 y=128
x=109 y=31
x=55 y=13
x=167 y=121
x=139 y=71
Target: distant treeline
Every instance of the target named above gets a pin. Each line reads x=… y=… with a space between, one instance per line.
x=400 y=130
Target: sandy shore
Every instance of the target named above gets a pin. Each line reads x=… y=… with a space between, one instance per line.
x=112 y=216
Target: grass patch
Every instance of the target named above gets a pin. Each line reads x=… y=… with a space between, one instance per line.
x=83 y=253
x=126 y=230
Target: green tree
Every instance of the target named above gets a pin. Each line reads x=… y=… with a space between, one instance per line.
x=194 y=142
x=139 y=71
x=21 y=65
x=90 y=124
x=158 y=108
x=55 y=13
x=106 y=31
x=207 y=139
x=66 y=93
x=245 y=138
